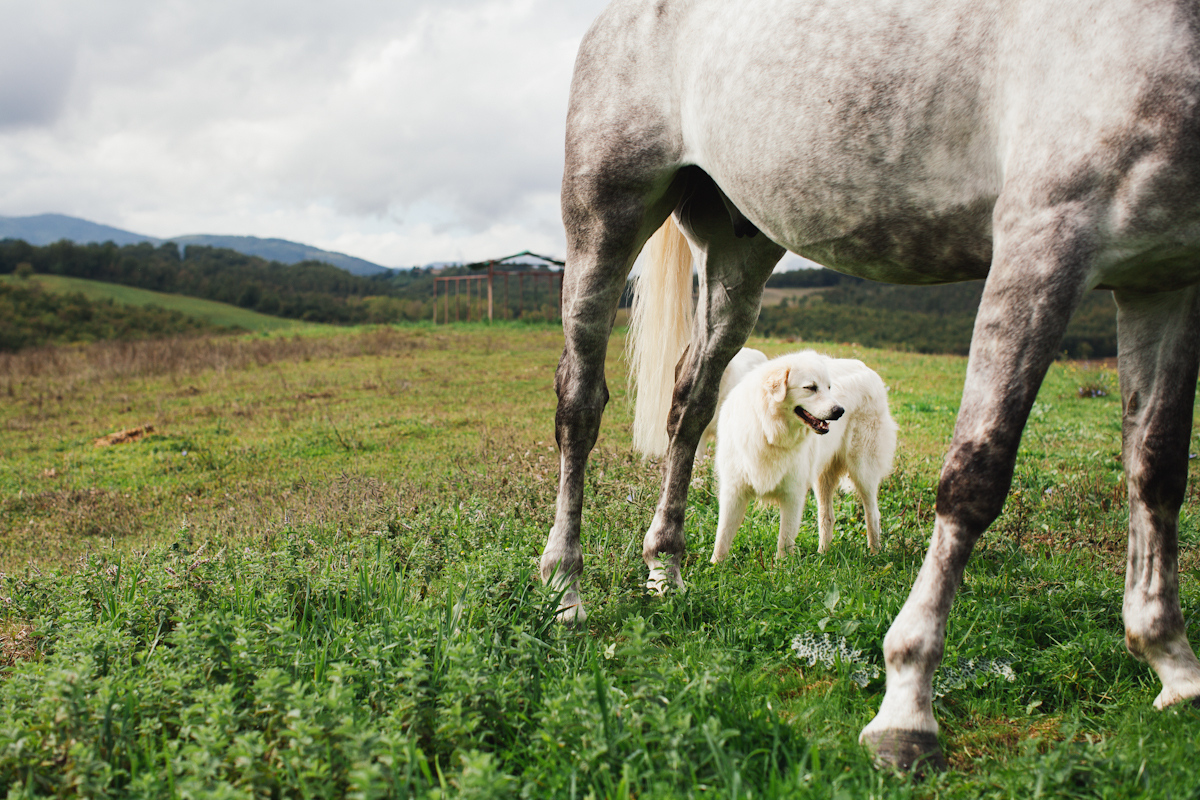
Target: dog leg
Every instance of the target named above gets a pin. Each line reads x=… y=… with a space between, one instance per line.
x=791 y=514
x=826 y=491
x=734 y=502
x=866 y=487
x=869 y=495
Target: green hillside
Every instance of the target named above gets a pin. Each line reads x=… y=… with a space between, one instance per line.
x=218 y=314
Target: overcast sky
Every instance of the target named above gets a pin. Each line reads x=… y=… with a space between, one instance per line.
x=400 y=131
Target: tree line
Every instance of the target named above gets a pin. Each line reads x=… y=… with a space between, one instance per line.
x=927 y=319
x=310 y=290
x=923 y=319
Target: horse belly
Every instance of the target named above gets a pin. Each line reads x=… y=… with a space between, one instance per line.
x=882 y=164
x=876 y=137
x=1162 y=264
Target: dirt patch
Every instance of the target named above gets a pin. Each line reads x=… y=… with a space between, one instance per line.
x=17 y=643
x=994 y=738
x=124 y=437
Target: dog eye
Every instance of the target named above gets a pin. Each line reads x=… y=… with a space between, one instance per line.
x=812 y=387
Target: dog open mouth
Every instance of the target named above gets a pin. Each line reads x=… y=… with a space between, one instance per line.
x=818 y=425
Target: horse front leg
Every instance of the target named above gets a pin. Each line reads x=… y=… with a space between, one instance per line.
x=600 y=251
x=1158 y=367
x=1034 y=286
x=582 y=395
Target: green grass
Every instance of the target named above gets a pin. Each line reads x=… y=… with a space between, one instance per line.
x=221 y=314
x=316 y=578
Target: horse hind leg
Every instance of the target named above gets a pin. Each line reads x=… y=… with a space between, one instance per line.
x=1158 y=368
x=733 y=271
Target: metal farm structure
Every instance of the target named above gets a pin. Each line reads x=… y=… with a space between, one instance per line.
x=526 y=281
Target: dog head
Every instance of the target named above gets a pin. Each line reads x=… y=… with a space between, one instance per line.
x=797 y=394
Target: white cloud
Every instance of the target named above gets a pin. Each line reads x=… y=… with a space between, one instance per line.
x=36 y=68
x=398 y=131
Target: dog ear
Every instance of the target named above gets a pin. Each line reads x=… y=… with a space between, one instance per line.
x=776 y=384
x=773 y=420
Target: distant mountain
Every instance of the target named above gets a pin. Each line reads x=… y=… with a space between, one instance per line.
x=43 y=229
x=283 y=251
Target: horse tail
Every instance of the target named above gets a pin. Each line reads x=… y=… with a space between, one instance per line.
x=660 y=327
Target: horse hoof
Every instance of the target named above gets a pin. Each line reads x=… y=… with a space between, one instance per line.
x=917 y=752
x=572 y=614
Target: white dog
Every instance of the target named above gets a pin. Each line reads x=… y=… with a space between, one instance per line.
x=802 y=421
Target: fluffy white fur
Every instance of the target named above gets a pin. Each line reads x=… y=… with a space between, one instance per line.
x=741 y=365
x=802 y=421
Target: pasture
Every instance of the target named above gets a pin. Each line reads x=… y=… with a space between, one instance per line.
x=316 y=577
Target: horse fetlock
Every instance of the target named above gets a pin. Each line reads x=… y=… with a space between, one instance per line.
x=571 y=610
x=560 y=573
x=664 y=573
x=908 y=650
x=1176 y=666
x=565 y=583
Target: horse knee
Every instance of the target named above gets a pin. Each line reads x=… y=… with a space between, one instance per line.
x=974 y=484
x=582 y=394
x=1160 y=487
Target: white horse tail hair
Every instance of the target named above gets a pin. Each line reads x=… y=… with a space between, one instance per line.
x=660 y=327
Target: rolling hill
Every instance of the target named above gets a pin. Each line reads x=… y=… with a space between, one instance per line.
x=220 y=314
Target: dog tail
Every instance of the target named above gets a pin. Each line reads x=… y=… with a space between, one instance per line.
x=660 y=327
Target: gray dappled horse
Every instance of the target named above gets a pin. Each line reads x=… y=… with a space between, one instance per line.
x=1051 y=147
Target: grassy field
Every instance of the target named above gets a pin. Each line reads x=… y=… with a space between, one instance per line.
x=312 y=574
x=221 y=314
